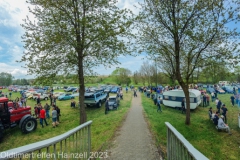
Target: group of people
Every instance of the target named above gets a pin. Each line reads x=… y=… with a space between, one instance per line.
x=43 y=112
x=219 y=117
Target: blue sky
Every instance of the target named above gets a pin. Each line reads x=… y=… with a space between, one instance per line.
x=12 y=12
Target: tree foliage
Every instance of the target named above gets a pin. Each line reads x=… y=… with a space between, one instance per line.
x=183 y=33
x=72 y=37
x=5 y=79
x=122 y=76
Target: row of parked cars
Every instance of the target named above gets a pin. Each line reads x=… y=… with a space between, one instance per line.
x=220 y=90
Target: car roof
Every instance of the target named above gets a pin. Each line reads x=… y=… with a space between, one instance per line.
x=112 y=96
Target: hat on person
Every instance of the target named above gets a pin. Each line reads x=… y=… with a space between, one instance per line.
x=222 y=116
x=224 y=105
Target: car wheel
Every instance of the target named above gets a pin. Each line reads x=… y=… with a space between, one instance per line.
x=46 y=98
x=99 y=104
x=29 y=125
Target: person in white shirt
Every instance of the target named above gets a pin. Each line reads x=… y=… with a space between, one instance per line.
x=222 y=125
x=212 y=96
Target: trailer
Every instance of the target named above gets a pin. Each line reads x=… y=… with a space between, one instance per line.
x=173 y=98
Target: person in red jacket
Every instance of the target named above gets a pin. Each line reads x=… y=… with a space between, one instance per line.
x=43 y=117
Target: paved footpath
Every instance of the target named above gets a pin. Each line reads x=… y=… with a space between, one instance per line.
x=134 y=140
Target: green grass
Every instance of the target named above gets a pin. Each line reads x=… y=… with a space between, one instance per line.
x=202 y=133
x=102 y=130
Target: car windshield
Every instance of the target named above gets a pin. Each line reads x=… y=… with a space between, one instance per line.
x=112 y=99
x=89 y=96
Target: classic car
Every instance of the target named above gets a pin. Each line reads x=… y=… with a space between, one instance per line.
x=113 y=102
x=220 y=91
x=65 y=97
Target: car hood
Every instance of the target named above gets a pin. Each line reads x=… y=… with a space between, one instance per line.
x=111 y=103
x=62 y=96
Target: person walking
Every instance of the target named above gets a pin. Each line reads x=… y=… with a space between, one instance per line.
x=58 y=114
x=43 y=117
x=232 y=98
x=135 y=93
x=219 y=105
x=47 y=109
x=183 y=106
x=224 y=112
x=212 y=96
x=106 y=106
x=204 y=100
x=159 y=105
x=54 y=117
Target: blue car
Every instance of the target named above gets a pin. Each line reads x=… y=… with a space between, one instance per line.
x=228 y=89
x=210 y=90
x=114 y=90
x=65 y=97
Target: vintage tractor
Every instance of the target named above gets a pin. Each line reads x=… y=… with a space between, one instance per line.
x=11 y=115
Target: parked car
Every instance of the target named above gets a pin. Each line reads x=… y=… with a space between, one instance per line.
x=57 y=94
x=42 y=96
x=107 y=90
x=210 y=90
x=113 y=102
x=114 y=90
x=220 y=91
x=204 y=86
x=95 y=98
x=65 y=96
x=228 y=89
x=65 y=89
x=76 y=90
x=70 y=89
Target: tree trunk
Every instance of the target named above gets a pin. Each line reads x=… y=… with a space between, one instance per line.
x=187 y=102
x=83 y=115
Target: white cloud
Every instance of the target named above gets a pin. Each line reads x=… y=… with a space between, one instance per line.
x=16 y=72
x=16 y=9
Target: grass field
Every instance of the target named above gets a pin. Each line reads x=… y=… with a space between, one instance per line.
x=103 y=126
x=202 y=133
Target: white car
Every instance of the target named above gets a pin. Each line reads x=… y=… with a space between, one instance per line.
x=30 y=93
x=57 y=94
x=42 y=96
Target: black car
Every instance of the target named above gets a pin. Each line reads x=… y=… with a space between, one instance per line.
x=113 y=102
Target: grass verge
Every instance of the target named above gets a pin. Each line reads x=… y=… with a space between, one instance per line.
x=201 y=133
x=103 y=126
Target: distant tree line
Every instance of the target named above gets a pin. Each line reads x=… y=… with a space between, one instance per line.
x=151 y=74
x=5 y=79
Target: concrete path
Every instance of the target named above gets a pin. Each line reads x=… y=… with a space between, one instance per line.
x=134 y=140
